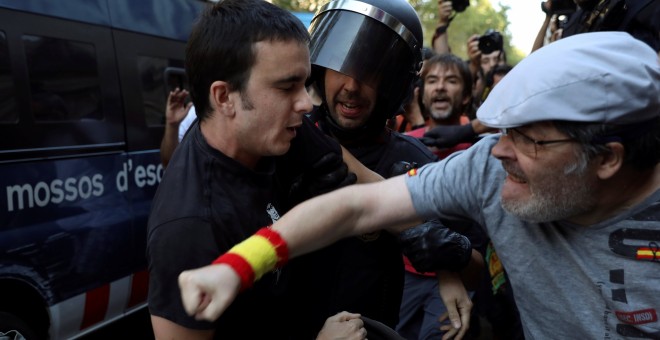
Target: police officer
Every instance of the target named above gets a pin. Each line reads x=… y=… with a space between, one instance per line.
x=365 y=57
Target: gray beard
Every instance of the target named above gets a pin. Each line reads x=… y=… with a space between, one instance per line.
x=440 y=117
x=563 y=197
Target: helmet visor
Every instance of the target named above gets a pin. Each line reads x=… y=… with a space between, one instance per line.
x=361 y=48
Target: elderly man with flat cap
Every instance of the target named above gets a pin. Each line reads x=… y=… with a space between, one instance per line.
x=569 y=193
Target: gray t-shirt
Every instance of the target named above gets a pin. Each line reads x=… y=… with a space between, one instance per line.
x=569 y=281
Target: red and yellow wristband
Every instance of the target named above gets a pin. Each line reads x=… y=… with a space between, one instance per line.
x=257 y=255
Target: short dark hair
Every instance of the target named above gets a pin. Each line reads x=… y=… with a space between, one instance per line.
x=641 y=141
x=221 y=44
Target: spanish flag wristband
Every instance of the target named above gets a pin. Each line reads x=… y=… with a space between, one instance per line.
x=257 y=255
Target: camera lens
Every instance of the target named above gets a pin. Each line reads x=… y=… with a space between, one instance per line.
x=490 y=42
x=486 y=45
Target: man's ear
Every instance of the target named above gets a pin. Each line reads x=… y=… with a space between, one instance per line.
x=611 y=162
x=220 y=99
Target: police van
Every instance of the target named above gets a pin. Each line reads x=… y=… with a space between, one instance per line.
x=83 y=87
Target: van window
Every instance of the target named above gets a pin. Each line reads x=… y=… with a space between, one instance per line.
x=8 y=110
x=64 y=81
x=154 y=86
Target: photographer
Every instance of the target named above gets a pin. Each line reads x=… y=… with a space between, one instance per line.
x=484 y=51
x=637 y=17
x=556 y=14
x=440 y=41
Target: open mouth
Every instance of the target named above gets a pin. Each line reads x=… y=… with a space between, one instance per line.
x=292 y=129
x=514 y=175
x=350 y=109
x=443 y=102
x=516 y=179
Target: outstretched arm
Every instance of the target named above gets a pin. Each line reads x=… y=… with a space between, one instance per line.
x=353 y=210
x=540 y=37
x=440 y=40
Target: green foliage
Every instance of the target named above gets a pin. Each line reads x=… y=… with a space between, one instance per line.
x=476 y=19
x=300 y=5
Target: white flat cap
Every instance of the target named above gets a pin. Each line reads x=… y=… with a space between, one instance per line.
x=604 y=77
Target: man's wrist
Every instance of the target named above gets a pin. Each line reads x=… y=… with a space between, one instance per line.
x=174 y=124
x=255 y=256
x=440 y=30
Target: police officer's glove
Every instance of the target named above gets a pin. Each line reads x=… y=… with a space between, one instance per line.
x=446 y=136
x=431 y=246
x=327 y=174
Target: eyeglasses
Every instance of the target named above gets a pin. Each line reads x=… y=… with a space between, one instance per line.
x=527 y=144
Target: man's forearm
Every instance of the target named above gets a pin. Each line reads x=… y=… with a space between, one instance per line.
x=540 y=37
x=169 y=142
x=440 y=42
x=353 y=210
x=320 y=221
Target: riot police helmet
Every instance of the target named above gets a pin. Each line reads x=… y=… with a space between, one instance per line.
x=376 y=42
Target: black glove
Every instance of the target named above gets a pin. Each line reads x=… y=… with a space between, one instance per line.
x=446 y=136
x=327 y=174
x=431 y=246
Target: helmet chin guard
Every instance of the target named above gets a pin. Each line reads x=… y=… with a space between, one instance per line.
x=376 y=42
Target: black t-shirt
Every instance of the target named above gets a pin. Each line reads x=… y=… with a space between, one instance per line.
x=361 y=274
x=205 y=204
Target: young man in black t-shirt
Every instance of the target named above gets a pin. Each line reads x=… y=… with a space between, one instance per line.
x=233 y=174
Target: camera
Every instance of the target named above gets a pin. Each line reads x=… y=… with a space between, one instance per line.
x=460 y=5
x=491 y=41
